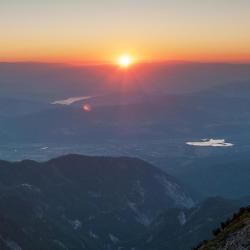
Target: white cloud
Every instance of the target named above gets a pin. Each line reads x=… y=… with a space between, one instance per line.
x=71 y=100
x=211 y=143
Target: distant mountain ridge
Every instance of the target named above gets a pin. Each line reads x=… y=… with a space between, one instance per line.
x=239 y=89
x=61 y=80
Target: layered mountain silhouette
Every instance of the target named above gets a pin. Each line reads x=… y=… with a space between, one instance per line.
x=79 y=202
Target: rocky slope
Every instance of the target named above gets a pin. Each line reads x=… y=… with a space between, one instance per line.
x=234 y=234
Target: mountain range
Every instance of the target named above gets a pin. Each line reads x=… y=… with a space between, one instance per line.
x=79 y=202
x=45 y=82
x=121 y=203
x=141 y=120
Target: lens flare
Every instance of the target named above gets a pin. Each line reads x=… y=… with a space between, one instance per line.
x=87 y=107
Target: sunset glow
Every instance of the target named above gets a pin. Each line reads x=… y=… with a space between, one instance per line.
x=161 y=30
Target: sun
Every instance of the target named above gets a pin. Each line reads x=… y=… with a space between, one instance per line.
x=125 y=61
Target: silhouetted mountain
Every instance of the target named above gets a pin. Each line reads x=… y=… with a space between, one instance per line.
x=78 y=202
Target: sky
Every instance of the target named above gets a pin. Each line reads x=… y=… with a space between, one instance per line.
x=101 y=30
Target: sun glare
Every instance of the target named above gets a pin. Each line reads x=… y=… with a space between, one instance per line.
x=125 y=61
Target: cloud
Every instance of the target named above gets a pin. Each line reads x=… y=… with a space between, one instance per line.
x=211 y=143
x=71 y=100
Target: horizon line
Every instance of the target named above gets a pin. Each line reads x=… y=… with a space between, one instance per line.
x=108 y=63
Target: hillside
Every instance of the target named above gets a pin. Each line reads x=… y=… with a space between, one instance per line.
x=234 y=234
x=79 y=202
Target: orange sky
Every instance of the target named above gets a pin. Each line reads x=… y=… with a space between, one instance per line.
x=101 y=30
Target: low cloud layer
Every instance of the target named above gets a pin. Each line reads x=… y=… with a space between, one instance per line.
x=211 y=143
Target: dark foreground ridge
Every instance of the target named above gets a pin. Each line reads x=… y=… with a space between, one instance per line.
x=234 y=234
